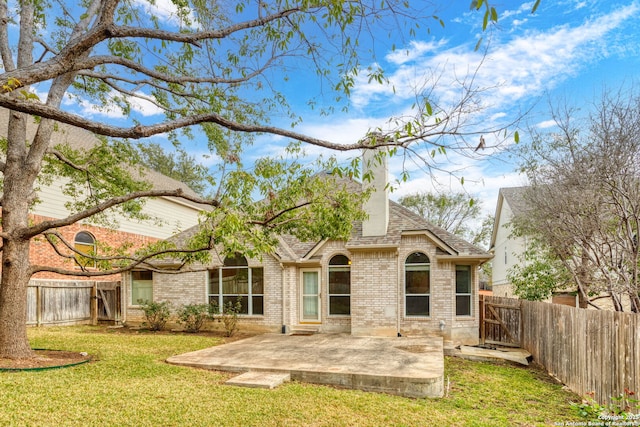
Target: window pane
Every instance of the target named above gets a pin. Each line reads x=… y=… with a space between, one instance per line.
x=258 y=305
x=310 y=307
x=417 y=282
x=141 y=291
x=257 y=279
x=142 y=275
x=214 y=303
x=232 y=299
x=339 y=260
x=417 y=258
x=234 y=261
x=235 y=281
x=340 y=305
x=463 y=279
x=463 y=305
x=310 y=283
x=339 y=281
x=214 y=281
x=417 y=306
x=84 y=237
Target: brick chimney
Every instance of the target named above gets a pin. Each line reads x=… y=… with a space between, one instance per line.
x=377 y=206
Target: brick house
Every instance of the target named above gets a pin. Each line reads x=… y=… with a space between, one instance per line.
x=397 y=274
x=170 y=214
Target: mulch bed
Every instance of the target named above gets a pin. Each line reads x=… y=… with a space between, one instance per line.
x=45 y=359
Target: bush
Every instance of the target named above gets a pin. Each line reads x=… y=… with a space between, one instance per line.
x=193 y=316
x=228 y=315
x=156 y=314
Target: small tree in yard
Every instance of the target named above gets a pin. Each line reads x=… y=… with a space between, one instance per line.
x=207 y=69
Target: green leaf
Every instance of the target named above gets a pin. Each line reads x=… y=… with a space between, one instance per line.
x=516 y=137
x=485 y=20
x=535 y=6
x=478 y=44
x=427 y=105
x=494 y=14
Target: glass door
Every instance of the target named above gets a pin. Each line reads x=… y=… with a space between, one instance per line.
x=310 y=304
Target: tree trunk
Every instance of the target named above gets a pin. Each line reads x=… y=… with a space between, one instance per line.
x=16 y=272
x=13 y=301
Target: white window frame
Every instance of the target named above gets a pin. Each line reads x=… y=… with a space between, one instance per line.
x=220 y=295
x=417 y=267
x=469 y=294
x=329 y=294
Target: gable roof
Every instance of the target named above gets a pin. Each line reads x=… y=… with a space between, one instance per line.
x=514 y=197
x=402 y=221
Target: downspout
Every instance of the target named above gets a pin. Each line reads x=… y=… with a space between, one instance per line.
x=284 y=299
x=399 y=286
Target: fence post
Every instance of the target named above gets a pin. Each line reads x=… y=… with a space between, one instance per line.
x=38 y=306
x=94 y=304
x=482 y=314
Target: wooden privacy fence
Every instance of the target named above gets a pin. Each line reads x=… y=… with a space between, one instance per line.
x=588 y=350
x=52 y=302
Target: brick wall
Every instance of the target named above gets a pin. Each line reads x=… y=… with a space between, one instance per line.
x=374 y=278
x=41 y=252
x=192 y=288
x=462 y=329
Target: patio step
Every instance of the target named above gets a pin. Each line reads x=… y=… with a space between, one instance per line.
x=260 y=379
x=304 y=331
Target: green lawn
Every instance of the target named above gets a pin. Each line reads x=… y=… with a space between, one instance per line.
x=130 y=385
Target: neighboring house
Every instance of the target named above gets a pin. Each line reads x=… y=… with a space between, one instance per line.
x=171 y=215
x=397 y=274
x=506 y=248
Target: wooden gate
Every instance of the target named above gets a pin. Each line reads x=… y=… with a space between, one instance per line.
x=108 y=295
x=500 y=321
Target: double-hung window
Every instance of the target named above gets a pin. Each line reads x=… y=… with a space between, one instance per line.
x=417 y=284
x=141 y=287
x=463 y=290
x=339 y=286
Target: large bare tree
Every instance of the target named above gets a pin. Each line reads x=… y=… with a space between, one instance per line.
x=584 y=201
x=208 y=63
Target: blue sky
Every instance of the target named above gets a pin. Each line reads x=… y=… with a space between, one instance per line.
x=571 y=50
x=568 y=49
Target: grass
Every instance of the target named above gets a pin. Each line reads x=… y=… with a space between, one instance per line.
x=130 y=385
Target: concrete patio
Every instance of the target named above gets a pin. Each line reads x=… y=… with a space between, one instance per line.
x=405 y=366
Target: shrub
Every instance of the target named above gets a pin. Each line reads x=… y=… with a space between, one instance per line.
x=193 y=316
x=228 y=315
x=619 y=408
x=156 y=314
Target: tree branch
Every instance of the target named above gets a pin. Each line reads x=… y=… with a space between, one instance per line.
x=133 y=261
x=141 y=131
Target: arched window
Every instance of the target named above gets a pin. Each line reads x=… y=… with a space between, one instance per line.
x=417 y=284
x=237 y=281
x=85 y=243
x=339 y=285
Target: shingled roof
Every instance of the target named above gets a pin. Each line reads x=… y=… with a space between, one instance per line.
x=401 y=220
x=515 y=198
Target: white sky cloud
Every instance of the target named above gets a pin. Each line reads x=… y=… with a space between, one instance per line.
x=521 y=67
